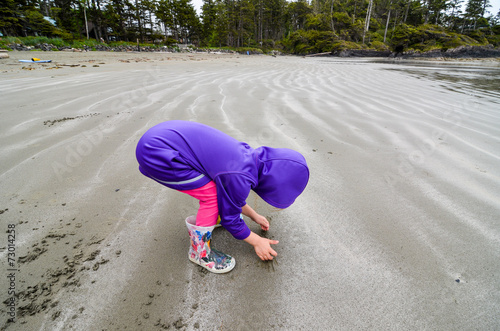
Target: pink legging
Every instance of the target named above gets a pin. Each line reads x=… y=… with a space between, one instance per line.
x=208 y=211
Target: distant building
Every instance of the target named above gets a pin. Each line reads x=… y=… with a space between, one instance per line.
x=50 y=20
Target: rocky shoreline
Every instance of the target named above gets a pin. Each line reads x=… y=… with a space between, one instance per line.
x=122 y=48
x=455 y=53
x=458 y=52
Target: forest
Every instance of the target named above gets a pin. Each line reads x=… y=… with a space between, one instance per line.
x=296 y=27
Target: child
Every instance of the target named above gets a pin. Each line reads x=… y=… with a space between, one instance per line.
x=220 y=171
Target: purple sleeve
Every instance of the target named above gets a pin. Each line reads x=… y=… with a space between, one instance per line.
x=232 y=191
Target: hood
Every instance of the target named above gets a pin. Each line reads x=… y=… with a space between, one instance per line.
x=283 y=176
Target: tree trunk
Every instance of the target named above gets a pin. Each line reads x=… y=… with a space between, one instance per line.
x=138 y=12
x=240 y=28
x=85 y=16
x=427 y=11
x=407 y=10
x=331 y=16
x=95 y=20
x=452 y=16
x=99 y=21
x=483 y=11
x=395 y=21
x=367 y=21
x=387 y=23
x=260 y=21
x=354 y=14
x=151 y=21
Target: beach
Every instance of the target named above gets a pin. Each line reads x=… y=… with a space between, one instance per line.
x=398 y=228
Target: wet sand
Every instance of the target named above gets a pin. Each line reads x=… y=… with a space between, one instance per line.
x=397 y=229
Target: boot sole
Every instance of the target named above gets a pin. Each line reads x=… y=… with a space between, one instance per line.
x=215 y=271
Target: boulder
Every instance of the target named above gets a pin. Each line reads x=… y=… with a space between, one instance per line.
x=461 y=52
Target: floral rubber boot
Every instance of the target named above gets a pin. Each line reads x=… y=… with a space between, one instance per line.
x=200 y=251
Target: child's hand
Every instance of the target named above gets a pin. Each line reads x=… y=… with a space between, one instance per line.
x=264 y=250
x=262 y=246
x=262 y=221
x=259 y=219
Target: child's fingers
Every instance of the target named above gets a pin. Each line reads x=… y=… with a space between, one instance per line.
x=269 y=256
x=268 y=253
x=272 y=251
x=263 y=221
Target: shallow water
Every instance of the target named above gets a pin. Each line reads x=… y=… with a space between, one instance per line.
x=460 y=77
x=466 y=77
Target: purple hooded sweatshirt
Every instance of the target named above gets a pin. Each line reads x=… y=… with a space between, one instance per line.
x=187 y=155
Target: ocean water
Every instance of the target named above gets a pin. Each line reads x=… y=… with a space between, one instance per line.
x=467 y=77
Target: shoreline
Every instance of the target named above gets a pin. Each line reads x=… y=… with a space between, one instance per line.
x=93 y=57
x=459 y=53
x=66 y=62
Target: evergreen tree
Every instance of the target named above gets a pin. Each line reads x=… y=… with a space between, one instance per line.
x=473 y=11
x=186 y=19
x=456 y=11
x=117 y=13
x=165 y=14
x=303 y=26
x=9 y=17
x=296 y=13
x=209 y=18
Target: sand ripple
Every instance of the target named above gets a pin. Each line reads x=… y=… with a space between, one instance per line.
x=398 y=228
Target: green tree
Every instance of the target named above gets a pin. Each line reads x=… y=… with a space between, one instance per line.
x=456 y=11
x=473 y=11
x=36 y=25
x=9 y=17
x=434 y=11
x=179 y=19
x=165 y=14
x=209 y=17
x=245 y=24
x=116 y=15
x=296 y=14
x=187 y=20
x=65 y=14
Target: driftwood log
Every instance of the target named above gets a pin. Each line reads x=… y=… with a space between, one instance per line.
x=319 y=54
